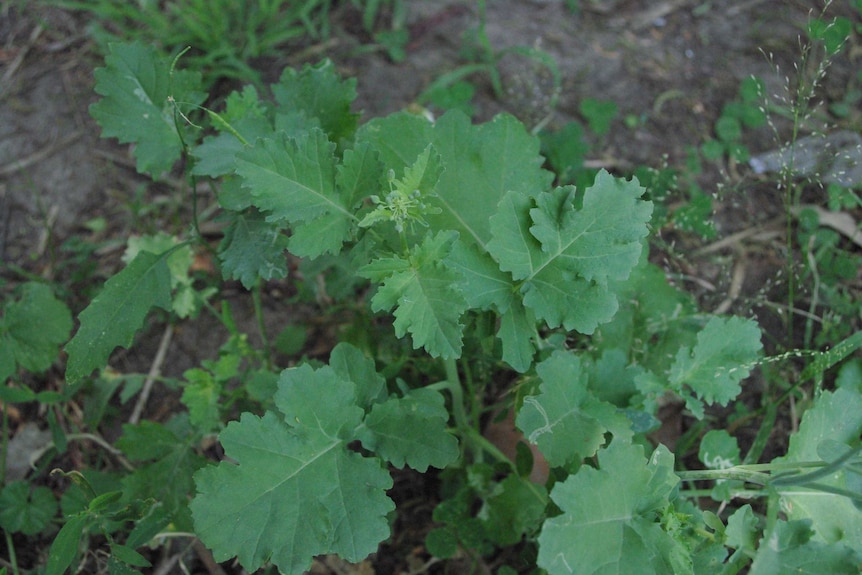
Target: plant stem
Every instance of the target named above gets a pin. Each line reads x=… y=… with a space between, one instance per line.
x=258 y=314
x=454 y=387
x=4 y=443
x=13 y=559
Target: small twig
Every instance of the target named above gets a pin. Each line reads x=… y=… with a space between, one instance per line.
x=37 y=454
x=5 y=217
x=206 y=557
x=736 y=282
x=424 y=567
x=734 y=10
x=38 y=155
x=19 y=58
x=647 y=17
x=155 y=371
x=761 y=232
x=45 y=233
x=841 y=222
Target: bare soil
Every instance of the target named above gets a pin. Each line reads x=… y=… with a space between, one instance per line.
x=670 y=64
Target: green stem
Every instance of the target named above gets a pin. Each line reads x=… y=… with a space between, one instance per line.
x=454 y=386
x=735 y=494
x=258 y=314
x=13 y=559
x=759 y=473
x=4 y=443
x=731 y=473
x=772 y=508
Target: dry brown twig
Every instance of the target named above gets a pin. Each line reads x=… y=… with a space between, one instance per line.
x=155 y=371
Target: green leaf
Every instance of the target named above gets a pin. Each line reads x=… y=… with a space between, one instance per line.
x=65 y=545
x=244 y=120
x=167 y=475
x=718 y=450
x=481 y=164
x=566 y=150
x=360 y=174
x=295 y=490
x=514 y=509
x=116 y=567
x=609 y=516
x=411 y=430
x=352 y=365
x=201 y=397
x=421 y=291
x=563 y=249
x=442 y=543
x=599 y=114
x=565 y=419
x=725 y=352
x=318 y=92
x=136 y=85
x=294 y=180
x=291 y=178
x=128 y=555
x=179 y=261
x=253 y=249
x=146 y=441
x=791 y=550
x=484 y=285
x=116 y=314
x=26 y=510
x=835 y=417
x=742 y=529
x=404 y=205
x=32 y=329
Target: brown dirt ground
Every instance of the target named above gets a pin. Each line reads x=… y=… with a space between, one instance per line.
x=672 y=63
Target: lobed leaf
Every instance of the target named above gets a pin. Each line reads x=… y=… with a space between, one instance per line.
x=421 y=291
x=791 y=550
x=26 y=509
x=253 y=249
x=565 y=419
x=514 y=509
x=293 y=180
x=725 y=352
x=140 y=92
x=411 y=430
x=318 y=92
x=292 y=489
x=31 y=330
x=609 y=515
x=563 y=249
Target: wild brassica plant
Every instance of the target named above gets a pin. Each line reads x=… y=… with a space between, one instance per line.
x=490 y=273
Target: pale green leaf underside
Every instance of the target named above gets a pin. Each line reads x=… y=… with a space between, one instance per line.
x=836 y=417
x=704 y=370
x=792 y=551
x=608 y=523
x=117 y=313
x=565 y=420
